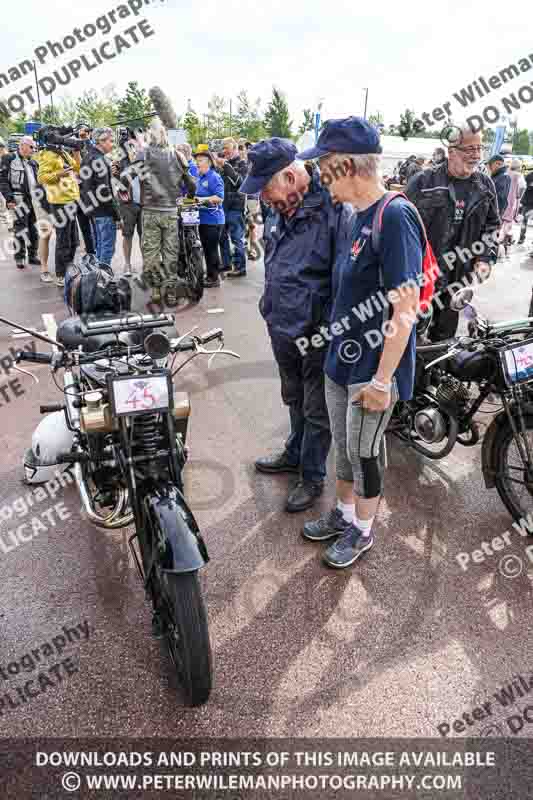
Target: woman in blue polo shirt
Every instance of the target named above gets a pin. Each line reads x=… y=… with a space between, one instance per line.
x=210 y=186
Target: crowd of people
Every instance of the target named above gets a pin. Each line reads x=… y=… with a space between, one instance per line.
x=87 y=194
x=322 y=263
x=514 y=188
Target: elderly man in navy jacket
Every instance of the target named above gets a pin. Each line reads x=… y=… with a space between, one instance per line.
x=301 y=236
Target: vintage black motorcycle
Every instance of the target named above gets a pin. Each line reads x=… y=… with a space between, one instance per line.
x=191 y=254
x=454 y=378
x=123 y=429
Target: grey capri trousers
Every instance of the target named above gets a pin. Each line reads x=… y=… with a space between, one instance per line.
x=358 y=438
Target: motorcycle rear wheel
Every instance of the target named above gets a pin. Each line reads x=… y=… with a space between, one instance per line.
x=511 y=482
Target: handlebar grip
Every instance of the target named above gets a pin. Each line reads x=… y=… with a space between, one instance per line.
x=210 y=336
x=185 y=347
x=50 y=408
x=36 y=358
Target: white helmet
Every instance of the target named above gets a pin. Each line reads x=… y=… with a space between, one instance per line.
x=51 y=437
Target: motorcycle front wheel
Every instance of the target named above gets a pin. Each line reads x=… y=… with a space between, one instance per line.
x=511 y=479
x=187 y=634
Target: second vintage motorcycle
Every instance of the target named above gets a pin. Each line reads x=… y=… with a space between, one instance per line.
x=453 y=380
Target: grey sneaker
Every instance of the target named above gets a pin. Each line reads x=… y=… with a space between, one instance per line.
x=347 y=548
x=331 y=524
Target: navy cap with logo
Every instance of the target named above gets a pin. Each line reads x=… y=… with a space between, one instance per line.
x=351 y=135
x=266 y=158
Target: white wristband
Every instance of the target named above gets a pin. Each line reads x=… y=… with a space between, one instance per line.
x=381 y=387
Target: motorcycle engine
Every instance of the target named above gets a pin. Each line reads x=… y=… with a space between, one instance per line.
x=431 y=423
x=452 y=394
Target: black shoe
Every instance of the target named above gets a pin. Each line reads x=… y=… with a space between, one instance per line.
x=211 y=283
x=158 y=626
x=34 y=260
x=236 y=273
x=279 y=462
x=328 y=526
x=303 y=496
x=20 y=264
x=522 y=240
x=347 y=548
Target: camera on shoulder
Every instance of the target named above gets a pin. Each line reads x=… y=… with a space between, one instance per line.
x=59 y=137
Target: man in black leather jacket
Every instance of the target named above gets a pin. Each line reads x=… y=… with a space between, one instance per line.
x=459 y=208
x=97 y=196
x=234 y=209
x=18 y=182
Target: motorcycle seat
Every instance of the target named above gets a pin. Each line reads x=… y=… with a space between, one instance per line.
x=69 y=334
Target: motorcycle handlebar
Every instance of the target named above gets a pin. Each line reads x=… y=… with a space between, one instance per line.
x=62 y=359
x=35 y=358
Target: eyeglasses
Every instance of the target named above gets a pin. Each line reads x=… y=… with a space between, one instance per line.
x=474 y=150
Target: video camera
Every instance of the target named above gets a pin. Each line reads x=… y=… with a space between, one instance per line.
x=58 y=137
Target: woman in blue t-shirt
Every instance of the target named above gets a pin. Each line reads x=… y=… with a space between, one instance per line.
x=210 y=186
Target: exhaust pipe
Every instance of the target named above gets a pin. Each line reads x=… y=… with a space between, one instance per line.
x=119 y=517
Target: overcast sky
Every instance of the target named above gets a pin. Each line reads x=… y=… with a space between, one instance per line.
x=415 y=53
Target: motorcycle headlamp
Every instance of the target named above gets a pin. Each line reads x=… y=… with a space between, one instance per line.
x=157 y=345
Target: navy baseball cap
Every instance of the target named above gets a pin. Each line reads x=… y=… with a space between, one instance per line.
x=266 y=158
x=351 y=135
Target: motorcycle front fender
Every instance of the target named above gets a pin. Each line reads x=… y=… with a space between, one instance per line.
x=182 y=547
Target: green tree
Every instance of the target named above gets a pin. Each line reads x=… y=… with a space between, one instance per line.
x=277 y=121
x=217 y=118
x=66 y=111
x=96 y=110
x=196 y=132
x=134 y=105
x=4 y=116
x=521 y=142
x=248 y=122
x=376 y=119
x=410 y=125
x=17 y=124
x=309 y=122
x=487 y=136
x=50 y=115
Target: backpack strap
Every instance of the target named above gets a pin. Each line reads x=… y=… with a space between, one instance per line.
x=377 y=224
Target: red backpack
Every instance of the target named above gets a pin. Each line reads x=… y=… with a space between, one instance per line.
x=430 y=267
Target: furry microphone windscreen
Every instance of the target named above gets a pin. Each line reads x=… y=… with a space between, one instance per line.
x=163 y=107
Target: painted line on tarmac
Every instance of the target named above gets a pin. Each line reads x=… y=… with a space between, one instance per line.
x=50 y=324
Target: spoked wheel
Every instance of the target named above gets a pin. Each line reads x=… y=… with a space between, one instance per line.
x=180 y=618
x=195 y=274
x=514 y=484
x=185 y=624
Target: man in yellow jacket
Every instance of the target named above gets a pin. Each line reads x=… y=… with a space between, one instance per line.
x=57 y=173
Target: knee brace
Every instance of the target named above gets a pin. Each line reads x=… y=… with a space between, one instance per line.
x=372 y=483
